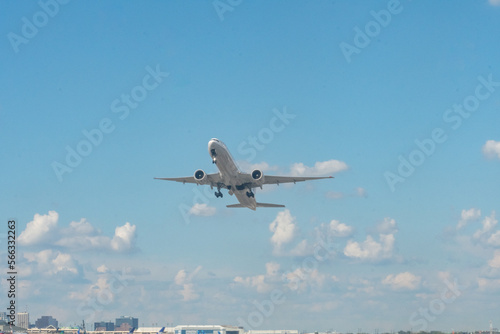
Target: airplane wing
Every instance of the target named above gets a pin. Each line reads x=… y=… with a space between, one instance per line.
x=270 y=179
x=213 y=179
x=259 y=205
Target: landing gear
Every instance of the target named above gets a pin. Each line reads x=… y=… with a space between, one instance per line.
x=218 y=193
x=214 y=154
x=250 y=194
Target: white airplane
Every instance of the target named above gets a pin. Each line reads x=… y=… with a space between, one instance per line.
x=237 y=183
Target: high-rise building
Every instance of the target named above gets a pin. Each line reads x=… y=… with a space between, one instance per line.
x=23 y=320
x=46 y=321
x=3 y=316
x=104 y=326
x=122 y=322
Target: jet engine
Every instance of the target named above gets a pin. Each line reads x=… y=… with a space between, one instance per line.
x=200 y=176
x=258 y=176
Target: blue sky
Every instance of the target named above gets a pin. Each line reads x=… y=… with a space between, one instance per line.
x=405 y=236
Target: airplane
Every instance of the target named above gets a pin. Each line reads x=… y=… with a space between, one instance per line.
x=237 y=183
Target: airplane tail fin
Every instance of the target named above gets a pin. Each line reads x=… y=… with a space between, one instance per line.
x=259 y=205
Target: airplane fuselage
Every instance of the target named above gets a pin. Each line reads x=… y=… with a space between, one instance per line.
x=229 y=173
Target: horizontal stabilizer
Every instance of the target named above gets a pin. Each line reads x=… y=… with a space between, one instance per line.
x=267 y=205
x=235 y=206
x=259 y=205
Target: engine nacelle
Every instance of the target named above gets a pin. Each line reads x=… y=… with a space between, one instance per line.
x=200 y=176
x=258 y=176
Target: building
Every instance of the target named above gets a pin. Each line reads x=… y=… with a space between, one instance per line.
x=278 y=331
x=124 y=323
x=5 y=327
x=46 y=321
x=104 y=326
x=23 y=320
x=209 y=329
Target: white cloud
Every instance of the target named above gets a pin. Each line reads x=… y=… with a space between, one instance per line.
x=387 y=226
x=40 y=229
x=301 y=279
x=82 y=227
x=284 y=230
x=492 y=148
x=262 y=283
x=495 y=261
x=361 y=192
x=83 y=236
x=467 y=216
x=338 y=229
x=79 y=235
x=488 y=224
x=102 y=269
x=124 y=237
x=180 y=278
x=272 y=268
x=188 y=293
x=84 y=242
x=403 y=281
x=64 y=262
x=184 y=280
x=202 y=210
x=488 y=284
x=301 y=249
x=258 y=282
x=373 y=250
x=50 y=263
x=494 y=2
x=107 y=286
x=320 y=168
x=494 y=239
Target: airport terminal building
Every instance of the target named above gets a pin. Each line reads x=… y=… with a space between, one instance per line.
x=184 y=329
x=208 y=329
